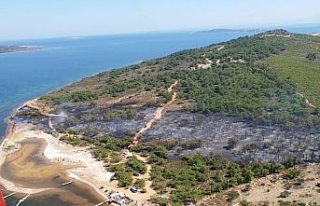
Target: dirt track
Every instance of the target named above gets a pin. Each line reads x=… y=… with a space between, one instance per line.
x=158 y=112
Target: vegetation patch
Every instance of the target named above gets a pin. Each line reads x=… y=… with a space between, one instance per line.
x=305 y=74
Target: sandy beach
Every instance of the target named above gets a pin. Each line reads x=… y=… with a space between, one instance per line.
x=31 y=158
x=31 y=161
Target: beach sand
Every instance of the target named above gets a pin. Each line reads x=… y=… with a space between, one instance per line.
x=35 y=162
x=31 y=161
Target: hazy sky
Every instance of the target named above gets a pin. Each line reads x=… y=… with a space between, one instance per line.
x=50 y=18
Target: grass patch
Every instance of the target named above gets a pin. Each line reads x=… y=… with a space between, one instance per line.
x=303 y=72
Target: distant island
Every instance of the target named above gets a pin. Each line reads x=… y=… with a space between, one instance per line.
x=223 y=30
x=18 y=48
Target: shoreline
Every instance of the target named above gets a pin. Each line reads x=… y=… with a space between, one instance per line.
x=9 y=124
x=88 y=170
x=11 y=186
x=84 y=167
x=55 y=151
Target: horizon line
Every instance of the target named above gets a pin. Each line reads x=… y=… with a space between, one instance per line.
x=194 y=30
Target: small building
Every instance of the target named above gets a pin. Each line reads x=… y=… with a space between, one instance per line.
x=117 y=195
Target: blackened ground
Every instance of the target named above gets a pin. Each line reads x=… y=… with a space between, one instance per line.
x=255 y=142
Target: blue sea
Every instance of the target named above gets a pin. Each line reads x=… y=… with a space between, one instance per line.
x=26 y=75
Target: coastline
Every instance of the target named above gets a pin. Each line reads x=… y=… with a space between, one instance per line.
x=17 y=132
x=83 y=166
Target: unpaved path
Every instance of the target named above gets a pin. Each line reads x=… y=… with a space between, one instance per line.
x=207 y=65
x=115 y=101
x=33 y=104
x=220 y=48
x=96 y=180
x=45 y=112
x=142 y=198
x=158 y=112
x=218 y=60
x=146 y=176
x=308 y=103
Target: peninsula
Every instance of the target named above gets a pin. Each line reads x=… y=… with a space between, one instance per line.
x=234 y=122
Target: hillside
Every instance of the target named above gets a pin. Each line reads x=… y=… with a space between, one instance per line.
x=267 y=82
x=197 y=121
x=256 y=77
